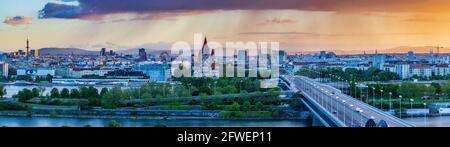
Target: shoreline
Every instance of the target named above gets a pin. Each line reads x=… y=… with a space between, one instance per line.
x=26 y=114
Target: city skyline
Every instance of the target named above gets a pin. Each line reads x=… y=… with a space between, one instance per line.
x=346 y=26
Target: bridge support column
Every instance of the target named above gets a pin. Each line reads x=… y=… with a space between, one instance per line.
x=316 y=122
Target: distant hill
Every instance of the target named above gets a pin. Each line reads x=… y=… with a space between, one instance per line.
x=416 y=49
x=66 y=51
x=135 y=51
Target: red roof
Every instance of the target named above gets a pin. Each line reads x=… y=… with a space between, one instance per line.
x=442 y=65
x=81 y=69
x=420 y=66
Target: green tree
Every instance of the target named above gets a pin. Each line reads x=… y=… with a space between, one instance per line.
x=84 y=92
x=24 y=95
x=259 y=106
x=411 y=90
x=446 y=89
x=113 y=123
x=74 y=93
x=65 y=93
x=93 y=92
x=235 y=107
x=103 y=91
x=437 y=86
x=54 y=93
x=2 y=91
x=35 y=92
x=49 y=78
x=113 y=98
x=247 y=106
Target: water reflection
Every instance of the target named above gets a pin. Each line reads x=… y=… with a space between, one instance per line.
x=80 y=122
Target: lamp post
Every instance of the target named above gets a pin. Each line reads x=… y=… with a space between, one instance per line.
x=343 y=107
x=321 y=95
x=373 y=96
x=360 y=116
x=400 y=106
x=381 y=97
x=411 y=103
x=337 y=106
x=348 y=88
x=351 y=115
x=425 y=114
x=390 y=101
x=240 y=86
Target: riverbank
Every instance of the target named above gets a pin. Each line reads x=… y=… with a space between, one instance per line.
x=29 y=114
x=17 y=121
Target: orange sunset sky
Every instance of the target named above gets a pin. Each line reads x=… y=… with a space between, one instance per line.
x=344 y=26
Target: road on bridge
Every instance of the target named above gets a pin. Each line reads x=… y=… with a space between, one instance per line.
x=346 y=109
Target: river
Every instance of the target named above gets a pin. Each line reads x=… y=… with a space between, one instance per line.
x=100 y=122
x=439 y=121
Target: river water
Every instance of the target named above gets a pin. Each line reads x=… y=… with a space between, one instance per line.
x=100 y=122
x=438 y=121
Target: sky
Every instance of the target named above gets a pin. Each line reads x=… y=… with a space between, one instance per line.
x=345 y=26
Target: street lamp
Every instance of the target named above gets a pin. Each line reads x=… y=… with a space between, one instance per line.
x=360 y=111
x=381 y=96
x=390 y=101
x=400 y=106
x=343 y=107
x=425 y=114
x=411 y=102
x=348 y=88
x=351 y=115
x=373 y=96
x=321 y=95
x=337 y=106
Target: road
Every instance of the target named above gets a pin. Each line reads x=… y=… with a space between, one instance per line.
x=348 y=110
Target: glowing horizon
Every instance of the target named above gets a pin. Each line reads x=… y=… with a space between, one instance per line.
x=345 y=26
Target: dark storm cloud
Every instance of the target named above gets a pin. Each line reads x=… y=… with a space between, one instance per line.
x=89 y=8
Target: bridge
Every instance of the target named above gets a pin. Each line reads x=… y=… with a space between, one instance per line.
x=332 y=108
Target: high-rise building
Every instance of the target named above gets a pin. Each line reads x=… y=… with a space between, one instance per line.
x=378 y=61
x=4 y=67
x=34 y=53
x=402 y=69
x=103 y=52
x=323 y=54
x=155 y=72
x=111 y=53
x=410 y=55
x=142 y=55
x=281 y=56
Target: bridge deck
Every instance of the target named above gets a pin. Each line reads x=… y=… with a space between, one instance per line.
x=344 y=108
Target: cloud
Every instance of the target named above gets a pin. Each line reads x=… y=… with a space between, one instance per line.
x=278 y=33
x=88 y=8
x=427 y=19
x=17 y=20
x=329 y=35
x=276 y=21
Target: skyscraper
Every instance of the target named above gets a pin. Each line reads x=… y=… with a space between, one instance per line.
x=402 y=69
x=4 y=69
x=378 y=61
x=34 y=53
x=142 y=55
x=103 y=52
